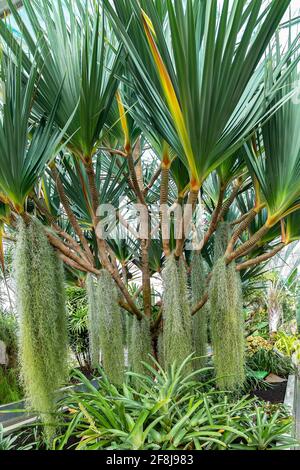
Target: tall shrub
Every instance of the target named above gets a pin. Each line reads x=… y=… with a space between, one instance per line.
x=43 y=348
x=111 y=334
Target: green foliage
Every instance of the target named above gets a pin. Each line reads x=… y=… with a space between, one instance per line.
x=204 y=66
x=168 y=411
x=77 y=307
x=287 y=344
x=227 y=325
x=6 y=442
x=254 y=380
x=10 y=389
x=110 y=328
x=41 y=309
x=23 y=160
x=75 y=53
x=140 y=344
x=8 y=334
x=93 y=320
x=198 y=289
x=271 y=361
x=24 y=440
x=267 y=430
x=177 y=333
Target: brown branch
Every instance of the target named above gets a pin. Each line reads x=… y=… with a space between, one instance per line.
x=245 y=247
x=240 y=267
x=153 y=180
x=114 y=152
x=214 y=219
x=83 y=185
x=52 y=221
x=102 y=243
x=88 y=164
x=67 y=251
x=134 y=179
x=240 y=229
x=126 y=306
x=240 y=219
x=145 y=243
x=138 y=164
x=261 y=258
x=70 y=262
x=185 y=223
x=115 y=275
x=200 y=304
x=164 y=187
x=227 y=204
x=70 y=214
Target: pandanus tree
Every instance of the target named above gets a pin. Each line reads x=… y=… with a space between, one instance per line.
x=165 y=104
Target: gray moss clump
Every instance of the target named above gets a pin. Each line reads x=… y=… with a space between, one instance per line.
x=93 y=320
x=226 y=316
x=198 y=289
x=111 y=334
x=43 y=338
x=177 y=319
x=140 y=344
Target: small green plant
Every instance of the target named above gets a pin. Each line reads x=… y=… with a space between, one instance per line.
x=8 y=334
x=287 y=344
x=27 y=439
x=77 y=309
x=270 y=361
x=7 y=442
x=267 y=431
x=10 y=389
x=163 y=409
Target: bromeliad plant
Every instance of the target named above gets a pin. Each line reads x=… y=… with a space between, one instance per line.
x=162 y=103
x=168 y=411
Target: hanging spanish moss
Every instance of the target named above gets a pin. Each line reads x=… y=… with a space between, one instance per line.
x=43 y=348
x=198 y=288
x=227 y=325
x=177 y=334
x=140 y=344
x=111 y=334
x=93 y=321
x=222 y=235
x=160 y=349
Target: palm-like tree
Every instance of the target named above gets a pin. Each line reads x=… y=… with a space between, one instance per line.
x=191 y=81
